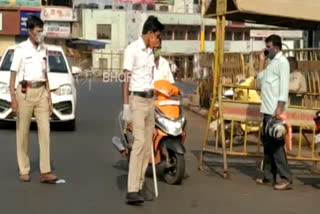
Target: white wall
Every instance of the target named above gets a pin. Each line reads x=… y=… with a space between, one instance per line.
x=189 y=47
x=117 y=20
x=134 y=25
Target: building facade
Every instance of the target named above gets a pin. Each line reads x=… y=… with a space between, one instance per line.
x=118 y=28
x=15 y=13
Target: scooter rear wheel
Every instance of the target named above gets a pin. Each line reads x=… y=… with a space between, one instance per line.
x=175 y=174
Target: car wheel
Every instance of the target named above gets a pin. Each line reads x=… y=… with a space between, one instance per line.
x=70 y=125
x=7 y=125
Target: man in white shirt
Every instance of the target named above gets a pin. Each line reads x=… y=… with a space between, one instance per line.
x=274 y=80
x=32 y=97
x=138 y=106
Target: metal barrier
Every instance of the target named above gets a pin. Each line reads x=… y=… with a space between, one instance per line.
x=181 y=65
x=246 y=112
x=230 y=113
x=233 y=70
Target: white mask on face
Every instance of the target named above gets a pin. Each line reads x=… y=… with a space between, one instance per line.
x=40 y=38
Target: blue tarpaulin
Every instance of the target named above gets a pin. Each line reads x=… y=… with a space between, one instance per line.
x=87 y=44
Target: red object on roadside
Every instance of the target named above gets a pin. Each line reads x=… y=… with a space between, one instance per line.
x=288 y=137
x=317 y=120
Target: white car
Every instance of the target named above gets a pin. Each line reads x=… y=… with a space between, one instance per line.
x=62 y=86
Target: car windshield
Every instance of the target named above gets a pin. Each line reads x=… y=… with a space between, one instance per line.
x=57 y=63
x=7 y=60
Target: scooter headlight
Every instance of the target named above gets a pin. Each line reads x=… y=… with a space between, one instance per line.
x=172 y=127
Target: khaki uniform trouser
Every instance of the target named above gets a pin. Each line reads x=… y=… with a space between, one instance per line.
x=34 y=102
x=142 y=116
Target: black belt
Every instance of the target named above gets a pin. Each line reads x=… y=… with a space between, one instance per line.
x=35 y=84
x=144 y=94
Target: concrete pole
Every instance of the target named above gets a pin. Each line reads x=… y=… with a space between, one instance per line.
x=185 y=67
x=202 y=35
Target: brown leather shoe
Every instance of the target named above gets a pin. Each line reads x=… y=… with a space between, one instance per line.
x=48 y=178
x=283 y=186
x=25 y=178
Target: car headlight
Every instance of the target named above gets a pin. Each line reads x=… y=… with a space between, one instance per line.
x=4 y=88
x=64 y=90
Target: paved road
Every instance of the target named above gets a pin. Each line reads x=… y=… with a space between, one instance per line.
x=96 y=175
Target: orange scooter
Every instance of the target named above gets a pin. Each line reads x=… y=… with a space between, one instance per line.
x=168 y=136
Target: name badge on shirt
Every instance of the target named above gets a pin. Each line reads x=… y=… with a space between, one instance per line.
x=28 y=59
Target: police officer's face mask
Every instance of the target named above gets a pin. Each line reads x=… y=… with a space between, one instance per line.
x=39 y=38
x=36 y=35
x=157 y=52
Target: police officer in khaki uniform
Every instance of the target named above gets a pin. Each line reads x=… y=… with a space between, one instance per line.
x=139 y=105
x=32 y=97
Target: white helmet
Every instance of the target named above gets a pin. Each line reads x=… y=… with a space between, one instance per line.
x=275 y=129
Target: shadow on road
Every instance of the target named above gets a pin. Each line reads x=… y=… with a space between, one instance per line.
x=122 y=182
x=7 y=125
x=121 y=165
x=122 y=179
x=213 y=166
x=33 y=126
x=310 y=181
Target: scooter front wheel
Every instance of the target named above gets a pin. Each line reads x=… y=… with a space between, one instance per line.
x=175 y=174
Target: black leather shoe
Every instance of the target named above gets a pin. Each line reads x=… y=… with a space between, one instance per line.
x=146 y=195
x=134 y=198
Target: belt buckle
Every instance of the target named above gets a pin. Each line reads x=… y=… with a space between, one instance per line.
x=149 y=93
x=34 y=84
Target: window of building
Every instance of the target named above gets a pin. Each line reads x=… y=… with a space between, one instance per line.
x=213 y=37
x=238 y=35
x=167 y=34
x=180 y=32
x=297 y=44
x=247 y=35
x=228 y=35
x=208 y=33
x=104 y=31
x=193 y=32
x=150 y=7
x=136 y=7
x=67 y=3
x=164 y=8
